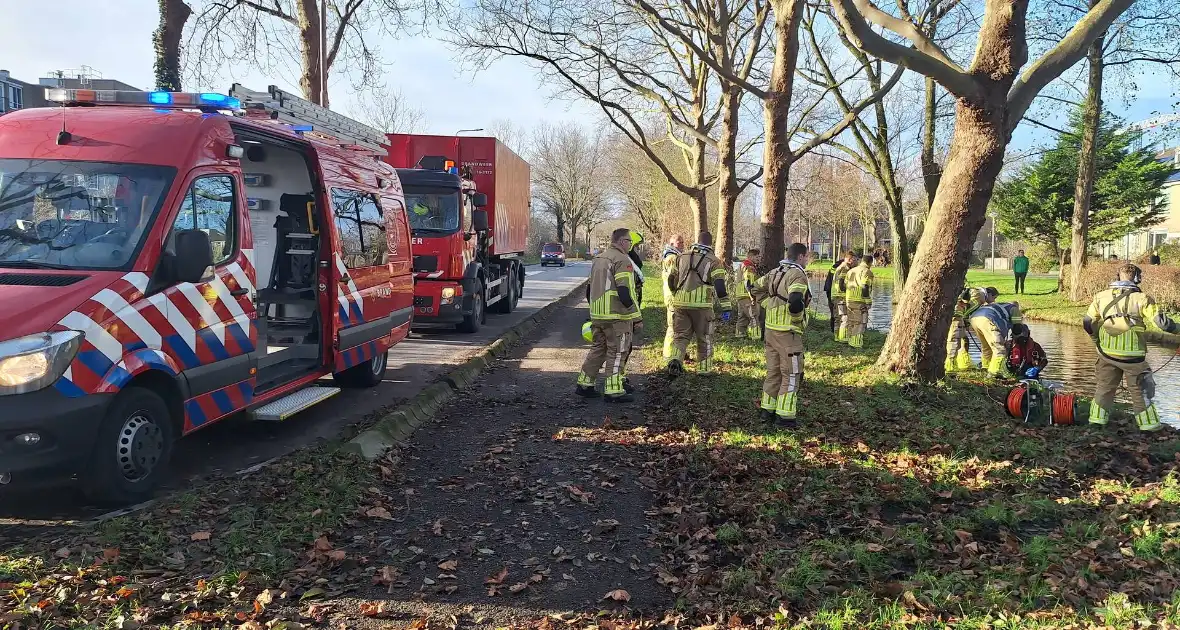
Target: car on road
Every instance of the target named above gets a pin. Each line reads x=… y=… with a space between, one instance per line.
x=553 y=254
x=168 y=260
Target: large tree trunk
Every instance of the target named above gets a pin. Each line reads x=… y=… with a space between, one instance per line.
x=901 y=245
x=1084 y=187
x=930 y=169
x=727 y=188
x=777 y=157
x=917 y=341
x=310 y=41
x=560 y=216
x=173 y=15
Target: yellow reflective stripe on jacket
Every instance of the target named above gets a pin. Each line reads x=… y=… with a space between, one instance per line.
x=700 y=297
x=1127 y=344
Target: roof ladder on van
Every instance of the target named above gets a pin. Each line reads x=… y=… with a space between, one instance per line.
x=304 y=116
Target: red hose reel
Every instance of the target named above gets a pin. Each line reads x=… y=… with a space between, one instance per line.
x=1033 y=402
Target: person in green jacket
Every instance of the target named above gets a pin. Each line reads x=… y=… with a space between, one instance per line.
x=1020 y=269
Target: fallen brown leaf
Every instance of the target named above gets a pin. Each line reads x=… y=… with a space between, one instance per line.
x=449 y=565
x=618 y=595
x=200 y=536
x=378 y=512
x=497 y=578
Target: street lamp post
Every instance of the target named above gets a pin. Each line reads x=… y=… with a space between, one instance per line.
x=992 y=261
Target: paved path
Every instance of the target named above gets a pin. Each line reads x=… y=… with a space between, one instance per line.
x=512 y=508
x=234 y=444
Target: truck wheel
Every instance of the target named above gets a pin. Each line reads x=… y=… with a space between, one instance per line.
x=508 y=293
x=518 y=277
x=132 y=450
x=367 y=374
x=474 y=320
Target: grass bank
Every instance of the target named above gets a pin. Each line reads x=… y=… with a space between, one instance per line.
x=219 y=554
x=895 y=505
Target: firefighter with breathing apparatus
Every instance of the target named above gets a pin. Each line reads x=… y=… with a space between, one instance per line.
x=667 y=271
x=1117 y=320
x=747 y=307
x=958 y=356
x=785 y=298
x=637 y=265
x=858 y=291
x=614 y=318
x=834 y=287
x=698 y=287
x=992 y=323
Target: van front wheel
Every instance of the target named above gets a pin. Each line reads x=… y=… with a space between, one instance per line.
x=132 y=450
x=367 y=374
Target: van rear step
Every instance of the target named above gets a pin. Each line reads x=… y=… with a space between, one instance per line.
x=293 y=403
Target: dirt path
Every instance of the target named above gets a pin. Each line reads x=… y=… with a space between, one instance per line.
x=501 y=512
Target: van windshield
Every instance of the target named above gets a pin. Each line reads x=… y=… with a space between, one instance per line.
x=59 y=214
x=433 y=211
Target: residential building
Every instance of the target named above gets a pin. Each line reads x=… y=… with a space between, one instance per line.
x=1139 y=243
x=17 y=94
x=83 y=78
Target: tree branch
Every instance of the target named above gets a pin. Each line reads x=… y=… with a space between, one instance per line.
x=1066 y=53
x=946 y=73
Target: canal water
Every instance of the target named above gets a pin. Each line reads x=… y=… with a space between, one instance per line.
x=1071 y=352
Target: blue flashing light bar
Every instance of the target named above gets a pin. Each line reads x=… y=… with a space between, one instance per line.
x=182 y=100
x=302 y=128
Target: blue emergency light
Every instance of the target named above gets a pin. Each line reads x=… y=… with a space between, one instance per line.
x=182 y=100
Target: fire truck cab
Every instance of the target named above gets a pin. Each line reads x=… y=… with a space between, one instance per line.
x=170 y=259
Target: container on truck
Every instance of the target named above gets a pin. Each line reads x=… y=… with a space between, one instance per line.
x=467 y=200
x=170 y=259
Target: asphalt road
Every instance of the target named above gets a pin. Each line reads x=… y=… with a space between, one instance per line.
x=236 y=444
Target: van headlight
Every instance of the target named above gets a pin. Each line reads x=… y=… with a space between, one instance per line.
x=34 y=362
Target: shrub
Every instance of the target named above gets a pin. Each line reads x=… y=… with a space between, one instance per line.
x=1041 y=259
x=1161 y=282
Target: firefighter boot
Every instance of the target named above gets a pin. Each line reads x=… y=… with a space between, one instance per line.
x=766 y=416
x=586 y=391
x=619 y=398
x=675 y=368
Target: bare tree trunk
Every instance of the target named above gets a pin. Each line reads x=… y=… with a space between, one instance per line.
x=901 y=245
x=173 y=15
x=310 y=41
x=930 y=169
x=916 y=345
x=699 y=204
x=777 y=157
x=1085 y=182
x=560 y=216
x=1062 y=261
x=727 y=187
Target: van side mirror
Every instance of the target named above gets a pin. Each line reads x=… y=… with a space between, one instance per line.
x=194 y=255
x=479 y=200
x=479 y=220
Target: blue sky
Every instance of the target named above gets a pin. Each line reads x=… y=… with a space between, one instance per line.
x=114 y=37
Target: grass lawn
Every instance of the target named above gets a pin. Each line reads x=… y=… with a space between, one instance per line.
x=898 y=505
x=205 y=557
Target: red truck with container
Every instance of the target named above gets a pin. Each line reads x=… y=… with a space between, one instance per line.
x=467 y=199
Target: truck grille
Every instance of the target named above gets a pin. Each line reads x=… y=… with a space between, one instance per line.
x=423 y=300
x=425 y=263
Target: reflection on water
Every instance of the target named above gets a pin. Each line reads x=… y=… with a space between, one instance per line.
x=1071 y=353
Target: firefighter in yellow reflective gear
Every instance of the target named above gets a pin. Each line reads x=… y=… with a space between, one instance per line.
x=785 y=298
x=698 y=286
x=992 y=324
x=835 y=286
x=614 y=318
x=1117 y=320
x=958 y=338
x=637 y=265
x=748 y=321
x=857 y=298
x=667 y=270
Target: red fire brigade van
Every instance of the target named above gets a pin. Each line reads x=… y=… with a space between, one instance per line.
x=170 y=259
